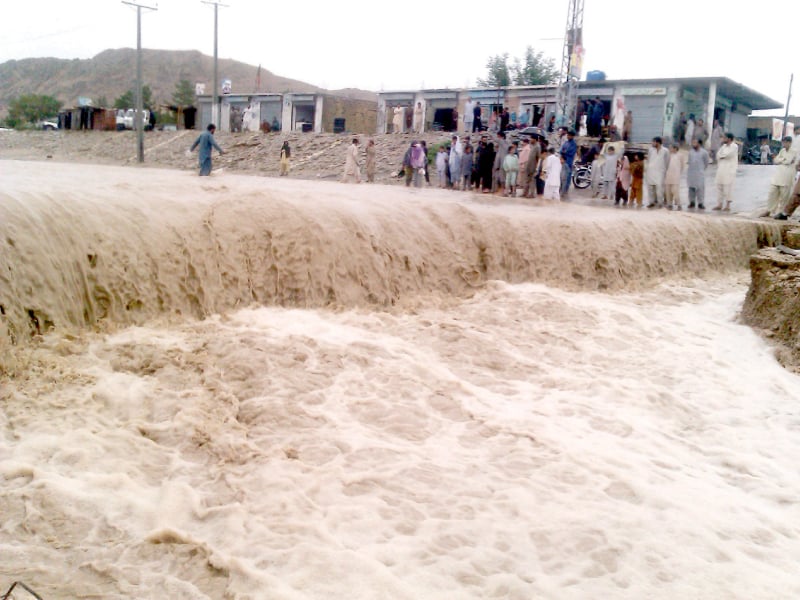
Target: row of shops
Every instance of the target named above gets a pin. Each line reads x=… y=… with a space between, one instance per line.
x=656 y=105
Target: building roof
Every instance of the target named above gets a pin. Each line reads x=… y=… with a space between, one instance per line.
x=732 y=90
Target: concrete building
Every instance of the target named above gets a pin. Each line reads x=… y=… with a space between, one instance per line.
x=290 y=112
x=656 y=104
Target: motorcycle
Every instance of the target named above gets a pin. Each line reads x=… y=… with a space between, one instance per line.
x=752 y=155
x=582 y=175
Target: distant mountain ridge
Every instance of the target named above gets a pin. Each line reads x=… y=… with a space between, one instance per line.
x=113 y=72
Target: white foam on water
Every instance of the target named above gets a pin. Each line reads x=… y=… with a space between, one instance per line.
x=527 y=442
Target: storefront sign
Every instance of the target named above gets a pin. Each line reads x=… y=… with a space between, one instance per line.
x=644 y=91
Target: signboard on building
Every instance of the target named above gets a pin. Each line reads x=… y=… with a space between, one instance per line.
x=777 y=129
x=226 y=86
x=199 y=89
x=644 y=91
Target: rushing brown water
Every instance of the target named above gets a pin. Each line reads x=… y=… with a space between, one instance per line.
x=389 y=394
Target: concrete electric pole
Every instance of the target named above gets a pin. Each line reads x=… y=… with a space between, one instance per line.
x=215 y=94
x=139 y=107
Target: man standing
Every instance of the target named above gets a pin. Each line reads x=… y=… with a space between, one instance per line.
x=716 y=140
x=397 y=119
x=656 y=172
x=609 y=172
x=469 y=115
x=418 y=117
x=370 y=162
x=456 y=151
x=672 y=181
x=524 y=155
x=524 y=121
x=701 y=133
x=680 y=129
x=782 y=180
x=351 y=166
x=794 y=200
x=627 y=126
x=476 y=117
x=532 y=169
x=206 y=142
x=727 y=161
x=568 y=151
x=696 y=175
x=497 y=168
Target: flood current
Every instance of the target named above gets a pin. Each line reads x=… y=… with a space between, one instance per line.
x=254 y=388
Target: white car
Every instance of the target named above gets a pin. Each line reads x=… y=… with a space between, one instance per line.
x=126 y=120
x=47 y=125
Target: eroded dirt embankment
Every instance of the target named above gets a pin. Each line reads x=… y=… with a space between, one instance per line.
x=773 y=301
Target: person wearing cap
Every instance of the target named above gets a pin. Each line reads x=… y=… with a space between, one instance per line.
x=568 y=151
x=782 y=180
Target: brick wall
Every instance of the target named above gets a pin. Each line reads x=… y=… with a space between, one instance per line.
x=360 y=116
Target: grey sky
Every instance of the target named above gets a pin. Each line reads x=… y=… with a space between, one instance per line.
x=369 y=45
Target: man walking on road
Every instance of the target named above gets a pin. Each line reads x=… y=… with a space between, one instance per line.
x=206 y=142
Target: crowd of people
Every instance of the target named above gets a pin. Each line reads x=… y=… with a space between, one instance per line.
x=535 y=166
x=492 y=163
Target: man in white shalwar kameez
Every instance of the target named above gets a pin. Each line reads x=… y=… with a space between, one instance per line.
x=783 y=179
x=352 y=170
x=552 y=183
x=727 y=161
x=655 y=172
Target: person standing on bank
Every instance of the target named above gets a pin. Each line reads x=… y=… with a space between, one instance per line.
x=286 y=154
x=656 y=171
x=782 y=180
x=696 y=174
x=568 y=151
x=207 y=143
x=370 y=161
x=727 y=161
x=351 y=166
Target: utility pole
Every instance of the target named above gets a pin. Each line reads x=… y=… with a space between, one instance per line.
x=215 y=95
x=139 y=108
x=572 y=53
x=788 y=100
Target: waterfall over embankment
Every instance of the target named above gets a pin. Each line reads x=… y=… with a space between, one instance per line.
x=87 y=244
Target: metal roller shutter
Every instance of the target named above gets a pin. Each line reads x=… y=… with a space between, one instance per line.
x=648 y=117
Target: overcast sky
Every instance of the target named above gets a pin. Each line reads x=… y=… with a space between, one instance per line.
x=369 y=45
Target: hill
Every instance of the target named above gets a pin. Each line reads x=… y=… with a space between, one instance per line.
x=113 y=72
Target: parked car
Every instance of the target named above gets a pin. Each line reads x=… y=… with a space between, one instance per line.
x=47 y=125
x=126 y=119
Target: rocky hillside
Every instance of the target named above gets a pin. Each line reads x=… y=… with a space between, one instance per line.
x=112 y=72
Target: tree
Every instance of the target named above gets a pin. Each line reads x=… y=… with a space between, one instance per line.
x=30 y=108
x=101 y=102
x=535 y=69
x=183 y=94
x=498 y=72
x=128 y=99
